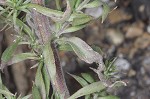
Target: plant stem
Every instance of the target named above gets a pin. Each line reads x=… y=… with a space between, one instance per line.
x=42 y=24
x=59 y=74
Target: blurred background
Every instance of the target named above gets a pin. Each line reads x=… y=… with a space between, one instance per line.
x=125 y=34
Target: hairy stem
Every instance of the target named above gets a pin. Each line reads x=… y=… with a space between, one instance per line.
x=44 y=34
x=61 y=84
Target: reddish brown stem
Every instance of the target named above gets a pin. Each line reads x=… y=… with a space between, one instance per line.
x=60 y=80
x=42 y=24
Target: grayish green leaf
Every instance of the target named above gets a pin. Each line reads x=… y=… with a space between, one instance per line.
x=87 y=77
x=97 y=49
x=46 y=80
x=27 y=97
x=65 y=47
x=2 y=87
x=95 y=3
x=109 y=97
x=80 y=80
x=49 y=61
x=1 y=8
x=15 y=16
x=89 y=89
x=82 y=50
x=106 y=10
x=35 y=92
x=81 y=20
x=39 y=82
x=7 y=54
x=72 y=3
x=22 y=57
x=78 y=2
x=73 y=29
x=4 y=92
x=80 y=7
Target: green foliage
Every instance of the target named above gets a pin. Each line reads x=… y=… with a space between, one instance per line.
x=49 y=61
x=36 y=92
x=7 y=55
x=110 y=68
x=92 y=88
x=89 y=89
x=6 y=94
x=71 y=20
x=41 y=81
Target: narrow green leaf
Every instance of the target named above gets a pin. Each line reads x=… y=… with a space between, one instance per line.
x=82 y=50
x=97 y=49
x=78 y=2
x=72 y=3
x=10 y=13
x=73 y=29
x=22 y=57
x=106 y=10
x=49 y=61
x=5 y=10
x=81 y=20
x=1 y=8
x=5 y=89
x=4 y=92
x=7 y=54
x=65 y=47
x=81 y=81
x=45 y=11
x=109 y=97
x=19 y=2
x=87 y=97
x=89 y=89
x=58 y=6
x=52 y=13
x=80 y=7
x=22 y=25
x=87 y=77
x=27 y=97
x=1 y=97
x=39 y=81
x=95 y=3
x=0 y=79
x=25 y=28
x=35 y=92
x=15 y=16
x=46 y=80
x=26 y=1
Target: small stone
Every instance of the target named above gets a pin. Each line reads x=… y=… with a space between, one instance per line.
x=142 y=70
x=146 y=63
x=132 y=93
x=118 y=15
x=122 y=64
x=148 y=29
x=143 y=42
x=115 y=37
x=135 y=30
x=132 y=73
